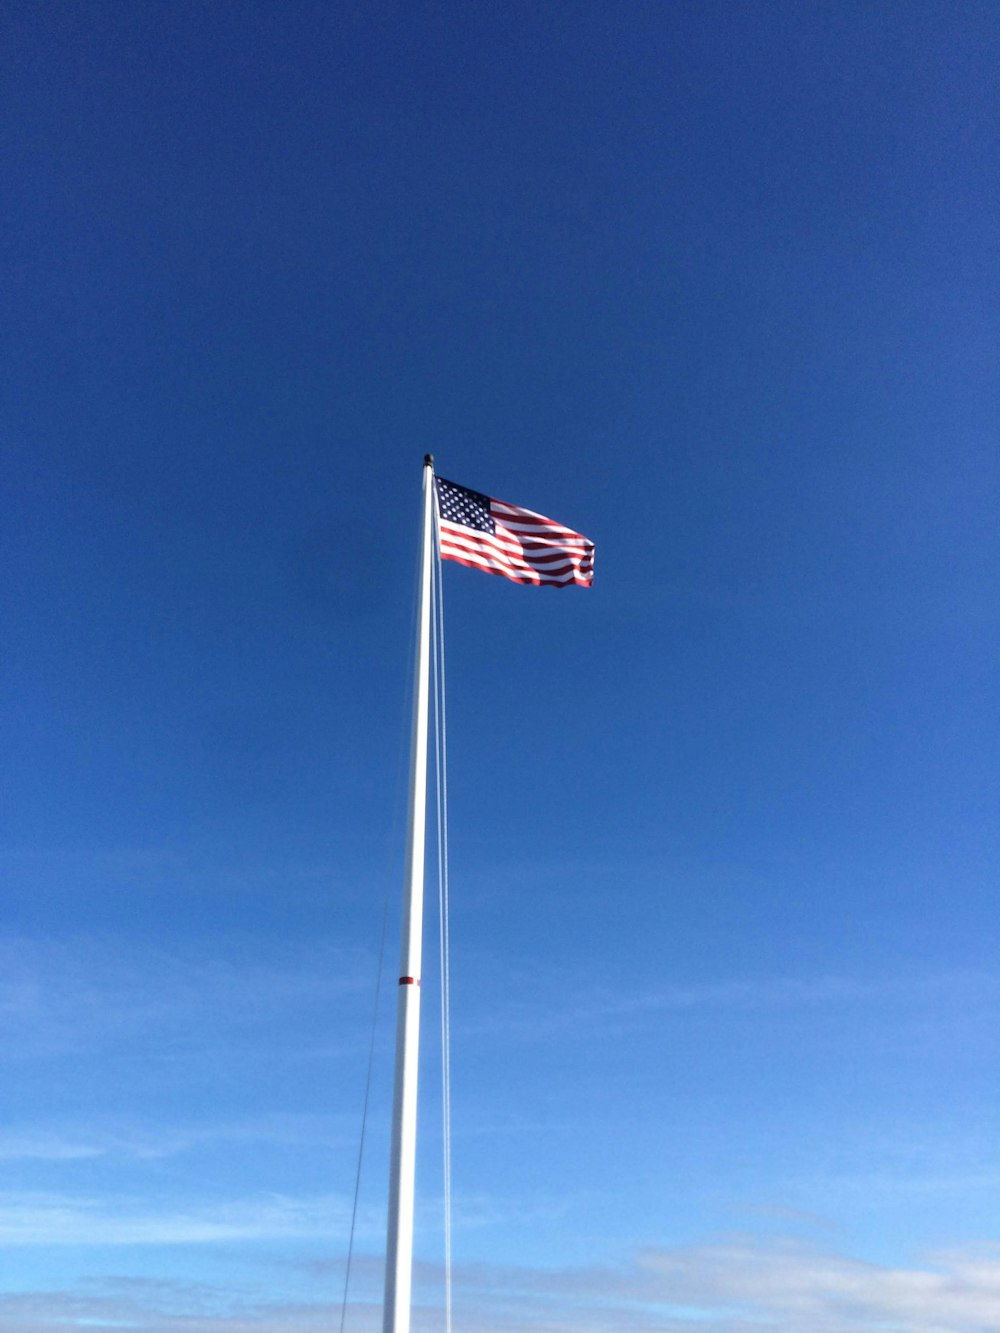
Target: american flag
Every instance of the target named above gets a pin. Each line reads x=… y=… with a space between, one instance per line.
x=504 y=539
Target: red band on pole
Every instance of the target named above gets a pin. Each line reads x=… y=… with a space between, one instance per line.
x=409 y=981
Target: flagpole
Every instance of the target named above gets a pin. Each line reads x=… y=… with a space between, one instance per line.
x=402 y=1160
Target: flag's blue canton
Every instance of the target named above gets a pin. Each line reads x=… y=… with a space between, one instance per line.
x=458 y=505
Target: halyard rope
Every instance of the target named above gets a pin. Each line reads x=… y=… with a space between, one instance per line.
x=441 y=764
x=397 y=808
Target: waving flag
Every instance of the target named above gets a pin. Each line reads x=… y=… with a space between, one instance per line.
x=503 y=539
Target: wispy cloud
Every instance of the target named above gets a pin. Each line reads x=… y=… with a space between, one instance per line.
x=143 y=1141
x=88 y=996
x=60 y=1219
x=22 y=1145
x=612 y=1009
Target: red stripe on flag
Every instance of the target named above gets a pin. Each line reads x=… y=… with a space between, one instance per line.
x=524 y=547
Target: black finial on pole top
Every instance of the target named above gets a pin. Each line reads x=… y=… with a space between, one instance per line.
x=428 y=460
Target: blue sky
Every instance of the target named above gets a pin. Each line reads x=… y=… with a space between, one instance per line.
x=715 y=284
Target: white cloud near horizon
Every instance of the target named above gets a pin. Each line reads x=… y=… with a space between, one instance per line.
x=734 y=1284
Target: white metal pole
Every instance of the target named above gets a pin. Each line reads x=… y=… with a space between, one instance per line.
x=402 y=1161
